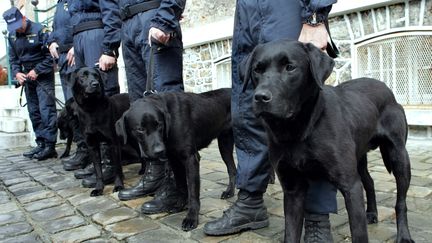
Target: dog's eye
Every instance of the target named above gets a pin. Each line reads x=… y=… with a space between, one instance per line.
x=259 y=69
x=289 y=67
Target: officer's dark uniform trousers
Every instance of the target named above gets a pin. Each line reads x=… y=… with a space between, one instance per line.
x=261 y=21
x=167 y=61
x=27 y=53
x=62 y=35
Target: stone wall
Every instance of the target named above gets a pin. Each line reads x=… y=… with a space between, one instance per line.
x=198 y=12
x=346 y=30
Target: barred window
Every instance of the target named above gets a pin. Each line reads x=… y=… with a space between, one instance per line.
x=222 y=73
x=403 y=61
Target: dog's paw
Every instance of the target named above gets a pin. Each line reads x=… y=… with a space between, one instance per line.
x=118 y=188
x=227 y=194
x=189 y=224
x=96 y=192
x=372 y=218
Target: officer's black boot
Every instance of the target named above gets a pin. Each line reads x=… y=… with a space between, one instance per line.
x=108 y=171
x=317 y=228
x=48 y=152
x=40 y=146
x=167 y=198
x=79 y=161
x=86 y=172
x=152 y=179
x=248 y=212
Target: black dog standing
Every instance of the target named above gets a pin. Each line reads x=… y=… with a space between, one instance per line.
x=97 y=115
x=319 y=131
x=175 y=126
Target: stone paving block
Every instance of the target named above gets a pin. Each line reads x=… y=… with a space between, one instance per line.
x=6 y=175
x=421 y=181
x=27 y=190
x=27 y=238
x=52 y=213
x=51 y=179
x=200 y=236
x=8 y=207
x=67 y=183
x=418 y=191
x=421 y=173
x=62 y=224
x=4 y=197
x=70 y=192
x=136 y=203
x=385 y=186
x=211 y=204
x=96 y=206
x=77 y=234
x=81 y=198
x=10 y=230
x=42 y=204
x=15 y=181
x=102 y=240
x=250 y=236
x=114 y=215
x=131 y=227
x=421 y=236
x=19 y=186
x=158 y=236
x=11 y=217
x=35 y=196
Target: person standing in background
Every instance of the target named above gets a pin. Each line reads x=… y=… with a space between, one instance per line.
x=32 y=67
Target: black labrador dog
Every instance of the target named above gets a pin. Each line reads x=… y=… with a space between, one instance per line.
x=175 y=126
x=65 y=123
x=319 y=131
x=97 y=115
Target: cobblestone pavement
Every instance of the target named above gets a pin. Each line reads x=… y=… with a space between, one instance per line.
x=40 y=202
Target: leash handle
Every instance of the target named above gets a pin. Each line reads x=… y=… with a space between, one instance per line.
x=20 y=97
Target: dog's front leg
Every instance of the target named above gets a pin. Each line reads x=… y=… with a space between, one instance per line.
x=294 y=188
x=96 y=158
x=193 y=185
x=116 y=157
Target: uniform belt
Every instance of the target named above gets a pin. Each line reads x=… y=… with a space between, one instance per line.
x=88 y=25
x=129 y=11
x=64 y=48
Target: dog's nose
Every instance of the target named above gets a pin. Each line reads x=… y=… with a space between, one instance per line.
x=159 y=150
x=94 y=84
x=263 y=96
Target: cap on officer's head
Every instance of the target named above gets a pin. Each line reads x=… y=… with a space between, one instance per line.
x=13 y=18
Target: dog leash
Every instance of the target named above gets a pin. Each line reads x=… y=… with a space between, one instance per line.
x=59 y=102
x=149 y=83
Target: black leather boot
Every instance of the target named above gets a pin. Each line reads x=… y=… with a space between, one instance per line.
x=167 y=199
x=40 y=145
x=86 y=172
x=47 y=152
x=108 y=177
x=248 y=212
x=80 y=160
x=317 y=228
x=152 y=179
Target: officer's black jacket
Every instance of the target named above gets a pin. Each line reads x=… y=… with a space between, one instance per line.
x=29 y=50
x=105 y=10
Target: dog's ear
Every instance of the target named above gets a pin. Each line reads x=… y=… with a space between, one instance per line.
x=167 y=121
x=245 y=69
x=121 y=128
x=321 y=65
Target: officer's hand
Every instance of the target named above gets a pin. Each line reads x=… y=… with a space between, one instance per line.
x=316 y=35
x=158 y=35
x=53 y=49
x=32 y=75
x=106 y=62
x=71 y=57
x=21 y=77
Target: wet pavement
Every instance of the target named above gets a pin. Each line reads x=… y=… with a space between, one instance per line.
x=40 y=202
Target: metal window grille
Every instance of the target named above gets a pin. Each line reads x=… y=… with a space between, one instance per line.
x=222 y=73
x=403 y=62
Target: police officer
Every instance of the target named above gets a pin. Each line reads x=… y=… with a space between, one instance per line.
x=260 y=22
x=146 y=23
x=96 y=38
x=32 y=67
x=60 y=44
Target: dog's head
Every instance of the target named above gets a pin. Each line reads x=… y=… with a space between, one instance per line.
x=87 y=84
x=65 y=119
x=285 y=74
x=147 y=122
